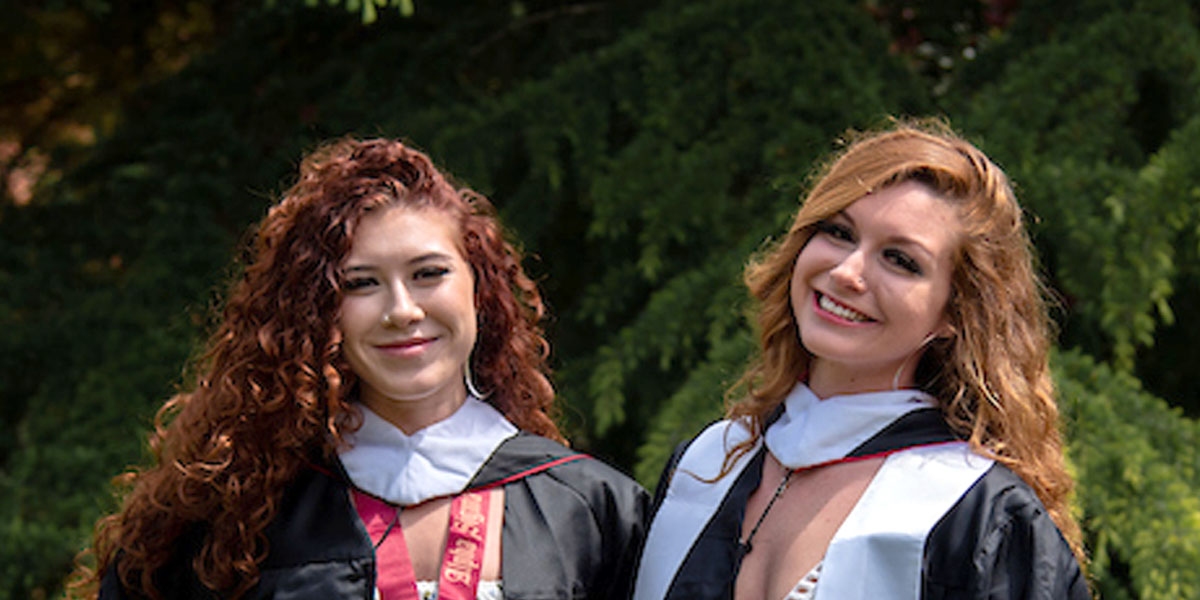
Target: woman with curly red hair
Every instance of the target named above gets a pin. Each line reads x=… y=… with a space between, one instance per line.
x=372 y=416
x=897 y=435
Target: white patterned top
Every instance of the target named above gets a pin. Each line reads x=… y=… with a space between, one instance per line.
x=806 y=588
x=488 y=590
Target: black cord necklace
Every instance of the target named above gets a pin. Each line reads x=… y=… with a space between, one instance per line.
x=745 y=546
x=390 y=527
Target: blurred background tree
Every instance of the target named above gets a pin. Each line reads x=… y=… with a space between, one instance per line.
x=640 y=151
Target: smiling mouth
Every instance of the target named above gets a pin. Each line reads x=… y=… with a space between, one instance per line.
x=410 y=344
x=829 y=305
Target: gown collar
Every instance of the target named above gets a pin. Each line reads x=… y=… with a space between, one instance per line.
x=438 y=460
x=811 y=431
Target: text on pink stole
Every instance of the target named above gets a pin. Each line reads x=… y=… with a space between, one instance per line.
x=462 y=560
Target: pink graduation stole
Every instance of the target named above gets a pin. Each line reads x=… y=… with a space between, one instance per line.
x=462 y=560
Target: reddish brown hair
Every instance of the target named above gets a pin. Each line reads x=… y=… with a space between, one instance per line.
x=274 y=391
x=992 y=375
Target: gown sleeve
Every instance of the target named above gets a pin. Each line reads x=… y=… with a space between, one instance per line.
x=1014 y=549
x=573 y=531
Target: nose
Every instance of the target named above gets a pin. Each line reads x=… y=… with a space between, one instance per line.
x=403 y=309
x=849 y=272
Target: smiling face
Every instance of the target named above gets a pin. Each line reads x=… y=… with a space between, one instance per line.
x=869 y=289
x=408 y=315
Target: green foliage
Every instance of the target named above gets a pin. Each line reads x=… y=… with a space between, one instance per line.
x=108 y=277
x=1139 y=466
x=641 y=153
x=69 y=68
x=1091 y=124
x=693 y=405
x=368 y=9
x=710 y=148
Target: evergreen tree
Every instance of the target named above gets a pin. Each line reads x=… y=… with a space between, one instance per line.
x=641 y=154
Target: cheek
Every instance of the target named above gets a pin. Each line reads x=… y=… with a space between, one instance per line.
x=467 y=313
x=924 y=308
x=352 y=354
x=470 y=323
x=796 y=295
x=350 y=319
x=798 y=287
x=938 y=295
x=942 y=317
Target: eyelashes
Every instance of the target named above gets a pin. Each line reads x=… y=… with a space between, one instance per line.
x=835 y=230
x=422 y=276
x=431 y=273
x=358 y=283
x=902 y=260
x=841 y=233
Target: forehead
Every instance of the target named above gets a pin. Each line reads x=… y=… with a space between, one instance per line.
x=405 y=230
x=910 y=210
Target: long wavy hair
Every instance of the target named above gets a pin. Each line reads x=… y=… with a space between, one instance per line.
x=992 y=376
x=274 y=392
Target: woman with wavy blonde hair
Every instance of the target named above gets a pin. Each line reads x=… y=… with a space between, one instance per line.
x=372 y=417
x=897 y=435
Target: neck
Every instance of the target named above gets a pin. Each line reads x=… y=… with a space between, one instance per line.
x=826 y=380
x=414 y=415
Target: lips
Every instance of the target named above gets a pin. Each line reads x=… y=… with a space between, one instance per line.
x=406 y=347
x=837 y=309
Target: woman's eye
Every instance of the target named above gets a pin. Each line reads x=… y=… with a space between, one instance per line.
x=902 y=260
x=427 y=273
x=357 y=283
x=835 y=230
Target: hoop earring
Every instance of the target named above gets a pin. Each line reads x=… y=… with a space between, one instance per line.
x=470 y=381
x=896 y=378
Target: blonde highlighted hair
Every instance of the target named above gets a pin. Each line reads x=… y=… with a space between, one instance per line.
x=992 y=376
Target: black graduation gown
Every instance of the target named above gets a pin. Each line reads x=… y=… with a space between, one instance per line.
x=572 y=529
x=996 y=541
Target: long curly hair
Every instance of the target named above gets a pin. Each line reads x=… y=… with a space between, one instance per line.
x=992 y=376
x=274 y=392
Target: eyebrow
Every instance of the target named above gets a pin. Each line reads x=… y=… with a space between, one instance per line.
x=912 y=243
x=421 y=259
